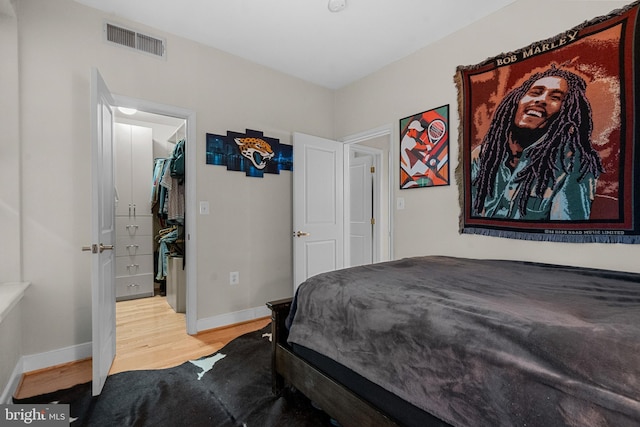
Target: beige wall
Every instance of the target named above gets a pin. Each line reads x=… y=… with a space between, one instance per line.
x=425 y=80
x=9 y=147
x=249 y=227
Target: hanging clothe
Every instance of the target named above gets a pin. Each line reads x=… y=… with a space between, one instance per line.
x=173 y=206
x=158 y=167
x=177 y=166
x=163 y=190
x=166 y=240
x=168 y=194
x=173 y=181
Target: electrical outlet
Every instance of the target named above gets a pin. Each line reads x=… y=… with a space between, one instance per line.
x=234 y=278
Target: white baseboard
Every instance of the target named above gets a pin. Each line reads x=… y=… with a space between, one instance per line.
x=33 y=362
x=60 y=356
x=232 y=318
x=12 y=384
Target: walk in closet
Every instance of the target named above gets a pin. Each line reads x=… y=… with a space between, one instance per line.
x=149 y=210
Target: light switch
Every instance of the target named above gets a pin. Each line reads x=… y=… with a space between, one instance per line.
x=204 y=208
x=400 y=203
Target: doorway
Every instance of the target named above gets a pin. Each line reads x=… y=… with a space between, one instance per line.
x=103 y=242
x=162 y=113
x=322 y=201
x=364 y=152
x=143 y=142
x=168 y=125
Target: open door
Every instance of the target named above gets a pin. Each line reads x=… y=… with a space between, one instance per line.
x=361 y=215
x=318 y=230
x=103 y=298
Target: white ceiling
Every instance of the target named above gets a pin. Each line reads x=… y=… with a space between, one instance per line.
x=303 y=38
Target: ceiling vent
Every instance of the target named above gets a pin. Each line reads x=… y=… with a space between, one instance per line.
x=134 y=40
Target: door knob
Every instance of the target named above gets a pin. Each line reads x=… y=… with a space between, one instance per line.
x=94 y=248
x=105 y=248
x=301 y=234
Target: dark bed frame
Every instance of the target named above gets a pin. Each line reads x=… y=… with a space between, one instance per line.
x=336 y=400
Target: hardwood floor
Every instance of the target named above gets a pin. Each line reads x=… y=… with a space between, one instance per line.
x=149 y=335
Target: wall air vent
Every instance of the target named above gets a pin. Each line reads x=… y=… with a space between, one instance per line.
x=134 y=40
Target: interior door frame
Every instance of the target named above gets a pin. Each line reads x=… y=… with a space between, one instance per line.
x=190 y=195
x=351 y=143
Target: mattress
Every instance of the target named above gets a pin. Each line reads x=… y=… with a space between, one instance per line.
x=401 y=411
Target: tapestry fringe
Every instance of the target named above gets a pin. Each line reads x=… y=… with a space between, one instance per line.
x=560 y=238
x=459 y=171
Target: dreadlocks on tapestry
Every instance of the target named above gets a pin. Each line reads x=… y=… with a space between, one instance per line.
x=536 y=161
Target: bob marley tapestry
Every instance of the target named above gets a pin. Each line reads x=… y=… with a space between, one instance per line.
x=549 y=137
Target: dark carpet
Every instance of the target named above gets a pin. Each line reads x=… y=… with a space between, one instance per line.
x=229 y=388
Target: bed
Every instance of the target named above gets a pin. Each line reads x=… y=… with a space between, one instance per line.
x=443 y=341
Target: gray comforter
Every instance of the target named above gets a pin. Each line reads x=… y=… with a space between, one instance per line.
x=484 y=342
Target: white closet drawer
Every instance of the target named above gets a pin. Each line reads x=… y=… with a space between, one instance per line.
x=137 y=286
x=132 y=265
x=130 y=246
x=134 y=226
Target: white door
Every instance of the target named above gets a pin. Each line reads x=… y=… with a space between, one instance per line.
x=318 y=232
x=103 y=299
x=361 y=210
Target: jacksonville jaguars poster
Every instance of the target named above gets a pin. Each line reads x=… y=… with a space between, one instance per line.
x=250 y=152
